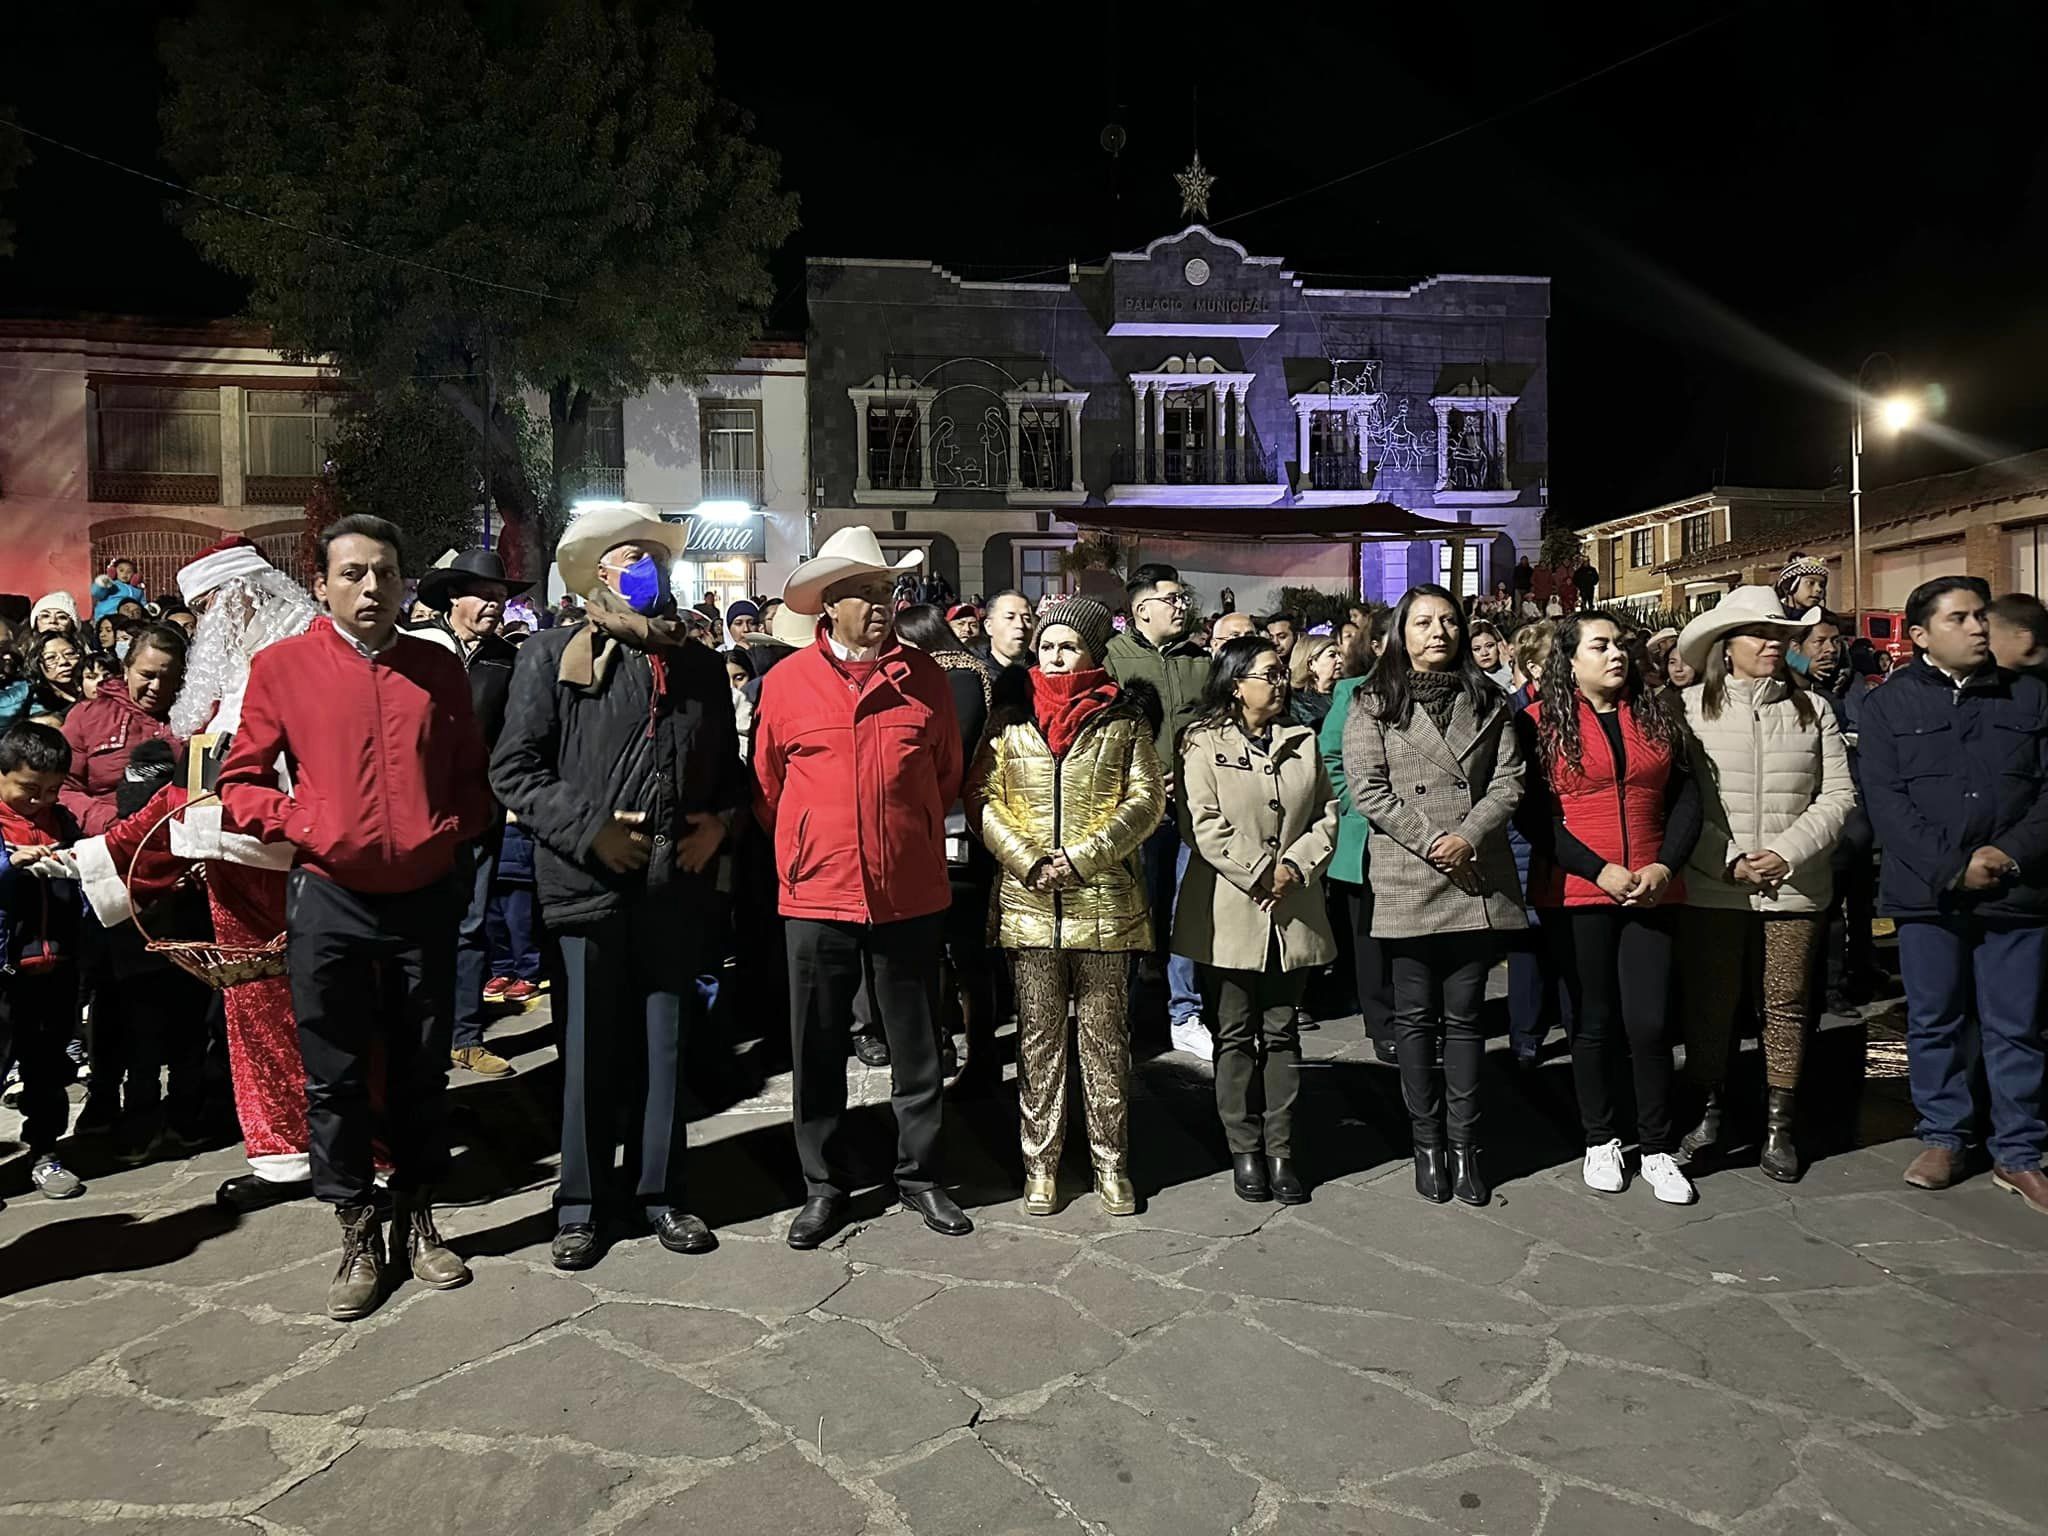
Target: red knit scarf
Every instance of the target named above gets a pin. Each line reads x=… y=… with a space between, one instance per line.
x=1065 y=702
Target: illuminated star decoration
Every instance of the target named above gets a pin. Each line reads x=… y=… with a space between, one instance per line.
x=1194 y=184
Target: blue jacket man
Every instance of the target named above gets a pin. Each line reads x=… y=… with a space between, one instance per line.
x=1955 y=769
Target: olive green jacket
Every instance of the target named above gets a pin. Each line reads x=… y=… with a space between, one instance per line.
x=1178 y=673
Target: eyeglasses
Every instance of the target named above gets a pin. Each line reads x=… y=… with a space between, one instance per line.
x=1172 y=600
x=1273 y=678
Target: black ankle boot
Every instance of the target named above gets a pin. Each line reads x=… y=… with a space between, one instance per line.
x=1468 y=1183
x=1780 y=1158
x=1432 y=1173
x=1248 y=1177
x=1707 y=1134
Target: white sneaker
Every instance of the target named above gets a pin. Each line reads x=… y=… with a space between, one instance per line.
x=1192 y=1035
x=1667 y=1181
x=1604 y=1171
x=55 y=1180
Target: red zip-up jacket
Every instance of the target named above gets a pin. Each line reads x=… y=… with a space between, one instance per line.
x=104 y=732
x=387 y=765
x=853 y=779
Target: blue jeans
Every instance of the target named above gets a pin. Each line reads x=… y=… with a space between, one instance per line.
x=1166 y=861
x=515 y=948
x=1960 y=972
x=473 y=953
x=1536 y=993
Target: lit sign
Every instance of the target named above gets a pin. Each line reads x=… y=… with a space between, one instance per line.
x=1197 y=304
x=727 y=538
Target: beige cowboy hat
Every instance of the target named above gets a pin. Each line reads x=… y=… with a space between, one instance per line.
x=792 y=628
x=849 y=552
x=605 y=526
x=1740 y=609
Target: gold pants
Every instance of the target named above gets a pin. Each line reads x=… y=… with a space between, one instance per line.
x=1721 y=954
x=1099 y=982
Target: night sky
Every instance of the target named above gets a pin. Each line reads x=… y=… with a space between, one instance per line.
x=1797 y=184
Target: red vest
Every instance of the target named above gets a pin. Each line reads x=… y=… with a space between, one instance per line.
x=1622 y=822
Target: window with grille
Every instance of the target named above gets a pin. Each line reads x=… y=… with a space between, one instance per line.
x=287 y=431
x=1696 y=533
x=732 y=450
x=1333 y=451
x=1044 y=461
x=1038 y=570
x=605 y=443
x=895 y=454
x=1468 y=582
x=1642 y=547
x=155 y=443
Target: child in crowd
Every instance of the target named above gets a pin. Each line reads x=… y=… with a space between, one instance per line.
x=39 y=922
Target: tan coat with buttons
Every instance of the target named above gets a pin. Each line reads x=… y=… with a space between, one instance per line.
x=1415 y=783
x=1243 y=812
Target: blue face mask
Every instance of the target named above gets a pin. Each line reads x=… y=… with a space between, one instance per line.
x=640 y=584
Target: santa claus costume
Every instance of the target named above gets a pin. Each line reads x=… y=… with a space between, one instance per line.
x=245 y=604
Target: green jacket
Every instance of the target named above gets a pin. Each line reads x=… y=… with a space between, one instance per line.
x=1178 y=673
x=1348 y=863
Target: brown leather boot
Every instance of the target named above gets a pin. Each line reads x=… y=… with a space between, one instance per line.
x=2030 y=1184
x=358 y=1283
x=433 y=1262
x=1934 y=1168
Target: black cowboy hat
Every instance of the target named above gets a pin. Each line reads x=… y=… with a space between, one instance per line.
x=440 y=586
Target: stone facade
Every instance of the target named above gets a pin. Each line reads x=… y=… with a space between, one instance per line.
x=990 y=422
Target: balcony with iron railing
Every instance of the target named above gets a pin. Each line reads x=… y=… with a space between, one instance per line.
x=1227 y=465
x=594 y=482
x=149 y=487
x=1336 y=472
x=725 y=484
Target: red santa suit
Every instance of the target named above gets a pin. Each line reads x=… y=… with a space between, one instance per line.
x=252 y=605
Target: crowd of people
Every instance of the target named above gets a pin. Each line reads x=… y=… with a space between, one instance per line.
x=373 y=817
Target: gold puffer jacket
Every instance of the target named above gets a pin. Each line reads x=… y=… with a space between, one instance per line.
x=1099 y=803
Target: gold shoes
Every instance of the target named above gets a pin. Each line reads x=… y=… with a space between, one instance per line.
x=1041 y=1194
x=1113 y=1188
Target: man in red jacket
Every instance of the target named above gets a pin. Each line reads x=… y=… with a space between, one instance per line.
x=857 y=755
x=387 y=773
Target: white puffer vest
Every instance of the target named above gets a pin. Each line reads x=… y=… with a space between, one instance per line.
x=1767 y=781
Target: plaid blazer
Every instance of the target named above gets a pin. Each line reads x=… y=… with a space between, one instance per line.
x=1416 y=783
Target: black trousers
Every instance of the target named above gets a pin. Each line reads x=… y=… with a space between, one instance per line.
x=627 y=979
x=163 y=1033
x=900 y=963
x=1846 y=943
x=1375 y=972
x=373 y=968
x=1616 y=964
x=38 y=1014
x=1439 y=991
x=1258 y=1053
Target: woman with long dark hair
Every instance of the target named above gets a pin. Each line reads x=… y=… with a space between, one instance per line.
x=55 y=666
x=1775 y=792
x=1611 y=814
x=1259 y=812
x=1436 y=770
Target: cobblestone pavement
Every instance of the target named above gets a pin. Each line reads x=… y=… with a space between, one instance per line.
x=1842 y=1355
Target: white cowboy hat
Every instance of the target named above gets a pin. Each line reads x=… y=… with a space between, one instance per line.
x=605 y=526
x=1740 y=609
x=792 y=628
x=849 y=552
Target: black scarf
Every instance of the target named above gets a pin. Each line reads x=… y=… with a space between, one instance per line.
x=1437 y=693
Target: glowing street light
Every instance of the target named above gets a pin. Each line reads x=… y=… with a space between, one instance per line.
x=1895 y=413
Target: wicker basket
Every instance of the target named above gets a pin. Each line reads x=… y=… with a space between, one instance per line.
x=220 y=966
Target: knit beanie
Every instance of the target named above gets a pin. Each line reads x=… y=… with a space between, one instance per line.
x=1800 y=565
x=741 y=610
x=1084 y=616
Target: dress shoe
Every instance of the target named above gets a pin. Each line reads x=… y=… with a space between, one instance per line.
x=1432 y=1173
x=358 y=1283
x=1705 y=1136
x=1935 y=1168
x=1248 y=1177
x=939 y=1212
x=1467 y=1183
x=1115 y=1192
x=245 y=1192
x=872 y=1050
x=481 y=1060
x=2030 y=1184
x=1780 y=1159
x=1386 y=1051
x=434 y=1263
x=1041 y=1194
x=821 y=1216
x=575 y=1246
x=680 y=1232
x=1285 y=1182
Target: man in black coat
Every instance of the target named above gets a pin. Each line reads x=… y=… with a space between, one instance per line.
x=469 y=596
x=620 y=757
x=1954 y=753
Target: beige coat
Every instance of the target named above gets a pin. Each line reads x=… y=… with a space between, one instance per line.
x=1243 y=812
x=1415 y=783
x=1766 y=782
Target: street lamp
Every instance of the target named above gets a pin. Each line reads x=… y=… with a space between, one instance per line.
x=1895 y=413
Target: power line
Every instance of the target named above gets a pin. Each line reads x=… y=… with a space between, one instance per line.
x=297 y=229
x=1484 y=122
